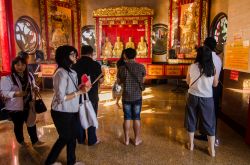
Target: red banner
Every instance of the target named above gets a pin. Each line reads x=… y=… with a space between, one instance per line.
x=234 y=75
x=48 y=70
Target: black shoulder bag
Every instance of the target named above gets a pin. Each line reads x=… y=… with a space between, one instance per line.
x=40 y=107
x=141 y=85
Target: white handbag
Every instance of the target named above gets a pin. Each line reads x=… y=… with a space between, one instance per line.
x=87 y=113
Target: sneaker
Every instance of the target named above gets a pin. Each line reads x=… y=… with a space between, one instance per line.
x=201 y=137
x=79 y=163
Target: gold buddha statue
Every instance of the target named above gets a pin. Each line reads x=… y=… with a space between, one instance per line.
x=117 y=51
x=130 y=44
x=107 y=49
x=142 y=48
x=58 y=35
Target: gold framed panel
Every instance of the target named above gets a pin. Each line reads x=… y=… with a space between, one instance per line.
x=60 y=22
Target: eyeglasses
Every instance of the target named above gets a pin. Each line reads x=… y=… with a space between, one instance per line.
x=73 y=54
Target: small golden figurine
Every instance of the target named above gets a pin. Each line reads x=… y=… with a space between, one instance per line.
x=117 y=51
x=107 y=49
x=130 y=44
x=142 y=48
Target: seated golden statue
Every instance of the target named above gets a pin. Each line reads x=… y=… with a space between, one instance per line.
x=142 y=48
x=58 y=36
x=130 y=44
x=117 y=51
x=107 y=49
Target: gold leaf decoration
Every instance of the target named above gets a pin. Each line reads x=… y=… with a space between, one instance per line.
x=123 y=11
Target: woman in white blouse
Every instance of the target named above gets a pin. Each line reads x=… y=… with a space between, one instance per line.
x=201 y=77
x=65 y=105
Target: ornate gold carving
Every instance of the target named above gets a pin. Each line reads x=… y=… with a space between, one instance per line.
x=204 y=20
x=123 y=11
x=122 y=18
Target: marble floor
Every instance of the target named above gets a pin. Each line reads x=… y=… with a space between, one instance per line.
x=163 y=136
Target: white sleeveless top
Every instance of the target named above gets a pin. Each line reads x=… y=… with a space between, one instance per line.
x=203 y=87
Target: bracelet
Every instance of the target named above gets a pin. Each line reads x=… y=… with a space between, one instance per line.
x=75 y=94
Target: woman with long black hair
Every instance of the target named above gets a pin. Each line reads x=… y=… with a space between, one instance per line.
x=65 y=105
x=201 y=77
x=19 y=88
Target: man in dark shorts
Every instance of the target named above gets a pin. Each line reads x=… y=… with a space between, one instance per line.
x=131 y=76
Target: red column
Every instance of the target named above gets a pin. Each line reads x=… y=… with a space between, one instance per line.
x=7 y=34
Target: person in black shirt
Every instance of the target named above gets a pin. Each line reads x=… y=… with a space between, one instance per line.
x=86 y=65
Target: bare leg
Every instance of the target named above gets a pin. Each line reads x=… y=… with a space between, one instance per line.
x=117 y=101
x=211 y=140
x=126 y=126
x=191 y=141
x=137 y=131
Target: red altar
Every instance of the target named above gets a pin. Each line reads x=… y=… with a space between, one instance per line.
x=127 y=26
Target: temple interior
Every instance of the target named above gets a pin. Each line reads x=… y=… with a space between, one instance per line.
x=165 y=35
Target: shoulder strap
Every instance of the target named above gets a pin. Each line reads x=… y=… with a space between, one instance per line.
x=196 y=80
x=28 y=83
x=72 y=81
x=132 y=74
x=30 y=76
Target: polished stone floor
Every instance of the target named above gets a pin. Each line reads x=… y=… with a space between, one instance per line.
x=163 y=136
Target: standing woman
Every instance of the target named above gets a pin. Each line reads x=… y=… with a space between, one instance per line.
x=18 y=89
x=65 y=105
x=201 y=78
x=117 y=89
